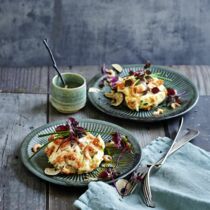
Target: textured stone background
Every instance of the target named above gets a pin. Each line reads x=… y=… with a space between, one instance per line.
x=112 y=31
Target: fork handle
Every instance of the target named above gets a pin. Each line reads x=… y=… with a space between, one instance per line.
x=146 y=184
x=174 y=142
x=191 y=133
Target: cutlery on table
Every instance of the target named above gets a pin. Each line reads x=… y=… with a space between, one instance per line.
x=146 y=182
x=127 y=187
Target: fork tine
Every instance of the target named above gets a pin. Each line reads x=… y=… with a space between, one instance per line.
x=141 y=172
x=147 y=190
x=147 y=193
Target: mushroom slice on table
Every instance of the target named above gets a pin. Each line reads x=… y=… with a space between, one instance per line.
x=123 y=186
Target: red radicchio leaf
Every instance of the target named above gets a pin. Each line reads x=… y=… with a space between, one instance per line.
x=80 y=131
x=72 y=122
x=75 y=130
x=104 y=174
x=108 y=173
x=116 y=137
x=62 y=128
x=112 y=79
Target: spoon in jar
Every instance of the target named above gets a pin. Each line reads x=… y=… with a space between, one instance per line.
x=54 y=63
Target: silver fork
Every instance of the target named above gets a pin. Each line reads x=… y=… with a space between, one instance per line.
x=146 y=182
x=142 y=170
x=191 y=134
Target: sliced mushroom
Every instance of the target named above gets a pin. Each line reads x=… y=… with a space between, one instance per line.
x=107 y=158
x=36 y=147
x=51 y=171
x=123 y=186
x=110 y=94
x=117 y=67
x=117 y=99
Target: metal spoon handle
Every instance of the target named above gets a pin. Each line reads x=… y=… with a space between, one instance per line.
x=53 y=60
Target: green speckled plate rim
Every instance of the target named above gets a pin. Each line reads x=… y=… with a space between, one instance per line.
x=29 y=163
x=193 y=100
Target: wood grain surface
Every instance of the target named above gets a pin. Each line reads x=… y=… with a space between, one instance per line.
x=19 y=114
x=24 y=98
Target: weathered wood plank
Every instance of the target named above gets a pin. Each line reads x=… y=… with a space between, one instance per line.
x=197 y=118
x=19 y=189
x=63 y=197
x=24 y=80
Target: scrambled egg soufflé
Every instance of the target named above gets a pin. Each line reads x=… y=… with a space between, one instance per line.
x=140 y=90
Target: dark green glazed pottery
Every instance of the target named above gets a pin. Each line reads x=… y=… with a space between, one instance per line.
x=184 y=87
x=127 y=163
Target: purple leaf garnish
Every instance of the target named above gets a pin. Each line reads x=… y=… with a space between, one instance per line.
x=104 y=174
x=116 y=138
x=112 y=79
x=62 y=128
x=72 y=122
x=80 y=131
x=121 y=142
x=109 y=77
x=108 y=173
x=75 y=131
x=102 y=83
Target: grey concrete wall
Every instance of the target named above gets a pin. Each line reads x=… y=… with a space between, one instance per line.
x=112 y=31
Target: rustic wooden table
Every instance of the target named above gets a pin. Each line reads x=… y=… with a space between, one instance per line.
x=24 y=99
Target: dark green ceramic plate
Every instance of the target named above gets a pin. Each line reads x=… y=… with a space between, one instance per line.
x=183 y=85
x=127 y=163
